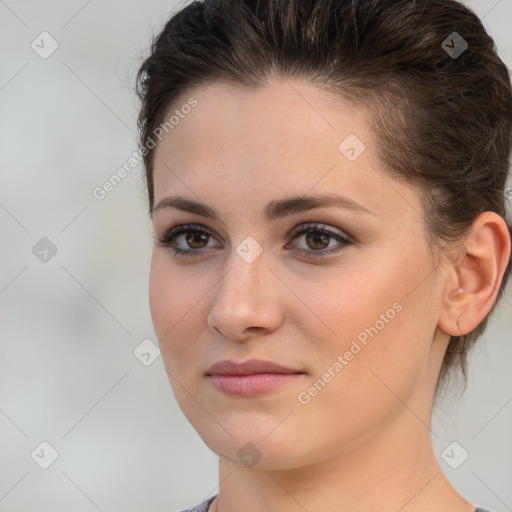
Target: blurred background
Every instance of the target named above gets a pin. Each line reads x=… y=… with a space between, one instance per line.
x=87 y=417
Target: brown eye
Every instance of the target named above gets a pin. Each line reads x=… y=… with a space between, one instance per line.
x=195 y=238
x=317 y=238
x=192 y=238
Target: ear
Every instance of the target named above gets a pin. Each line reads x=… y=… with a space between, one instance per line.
x=475 y=270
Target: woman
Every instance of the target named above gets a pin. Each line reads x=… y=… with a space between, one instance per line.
x=326 y=185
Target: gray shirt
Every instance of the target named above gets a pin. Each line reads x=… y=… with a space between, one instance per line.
x=205 y=505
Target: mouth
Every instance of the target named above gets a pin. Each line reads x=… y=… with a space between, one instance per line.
x=251 y=378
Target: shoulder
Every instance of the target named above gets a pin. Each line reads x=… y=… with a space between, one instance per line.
x=204 y=505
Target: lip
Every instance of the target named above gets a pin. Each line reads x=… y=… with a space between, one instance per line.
x=250 y=378
x=249 y=367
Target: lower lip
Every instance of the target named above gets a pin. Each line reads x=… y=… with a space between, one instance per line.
x=252 y=385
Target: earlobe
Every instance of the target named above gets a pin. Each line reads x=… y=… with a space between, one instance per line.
x=476 y=266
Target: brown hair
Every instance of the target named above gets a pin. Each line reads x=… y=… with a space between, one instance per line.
x=442 y=119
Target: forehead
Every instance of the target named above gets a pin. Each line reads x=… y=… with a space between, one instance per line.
x=287 y=135
x=230 y=126
x=297 y=105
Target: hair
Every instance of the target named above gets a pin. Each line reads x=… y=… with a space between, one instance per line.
x=442 y=121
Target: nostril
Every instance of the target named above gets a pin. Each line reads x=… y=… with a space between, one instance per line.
x=254 y=329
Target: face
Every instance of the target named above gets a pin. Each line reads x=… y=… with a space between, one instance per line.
x=342 y=293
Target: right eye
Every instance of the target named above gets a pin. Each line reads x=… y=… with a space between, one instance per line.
x=196 y=235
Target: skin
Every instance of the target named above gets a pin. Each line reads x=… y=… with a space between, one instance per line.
x=363 y=443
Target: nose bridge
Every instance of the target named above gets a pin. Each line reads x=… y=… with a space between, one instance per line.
x=245 y=268
x=243 y=298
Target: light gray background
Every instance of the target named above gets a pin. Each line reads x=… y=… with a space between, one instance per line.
x=68 y=374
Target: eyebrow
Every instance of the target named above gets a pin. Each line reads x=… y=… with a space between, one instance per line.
x=274 y=210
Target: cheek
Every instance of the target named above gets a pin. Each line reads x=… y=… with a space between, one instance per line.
x=351 y=304
x=171 y=302
x=159 y=296
x=177 y=304
x=170 y=298
x=380 y=322
x=171 y=292
x=382 y=336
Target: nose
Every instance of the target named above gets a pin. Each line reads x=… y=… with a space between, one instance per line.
x=246 y=301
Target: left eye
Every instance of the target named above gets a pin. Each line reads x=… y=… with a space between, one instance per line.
x=317 y=239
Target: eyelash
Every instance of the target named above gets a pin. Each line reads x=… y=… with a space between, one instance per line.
x=168 y=239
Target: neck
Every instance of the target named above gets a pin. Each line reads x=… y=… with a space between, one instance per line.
x=394 y=469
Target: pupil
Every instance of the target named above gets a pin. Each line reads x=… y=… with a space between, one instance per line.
x=195 y=237
x=317 y=239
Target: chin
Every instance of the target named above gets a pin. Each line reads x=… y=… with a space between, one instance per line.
x=253 y=447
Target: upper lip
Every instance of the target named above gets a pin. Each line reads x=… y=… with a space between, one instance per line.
x=249 y=367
